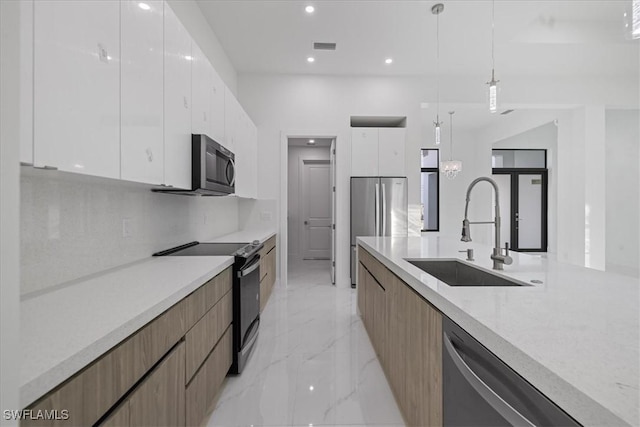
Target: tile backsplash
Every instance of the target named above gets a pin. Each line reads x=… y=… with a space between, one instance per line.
x=73 y=225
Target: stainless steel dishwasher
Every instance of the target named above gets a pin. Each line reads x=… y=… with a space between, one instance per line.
x=480 y=390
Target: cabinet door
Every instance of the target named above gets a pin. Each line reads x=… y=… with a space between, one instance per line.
x=364 y=152
x=362 y=291
x=231 y=119
x=177 y=102
x=77 y=86
x=119 y=417
x=26 y=81
x=391 y=144
x=141 y=91
x=246 y=147
x=201 y=79
x=379 y=313
x=216 y=100
x=159 y=400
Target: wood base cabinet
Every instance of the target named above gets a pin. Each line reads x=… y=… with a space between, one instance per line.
x=143 y=380
x=267 y=270
x=406 y=332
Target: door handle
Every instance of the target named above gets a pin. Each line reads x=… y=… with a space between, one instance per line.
x=384 y=210
x=377 y=211
x=507 y=411
x=306 y=223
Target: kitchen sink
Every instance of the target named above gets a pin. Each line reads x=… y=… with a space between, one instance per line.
x=456 y=273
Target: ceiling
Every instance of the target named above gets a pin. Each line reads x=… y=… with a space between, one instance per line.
x=533 y=38
x=304 y=142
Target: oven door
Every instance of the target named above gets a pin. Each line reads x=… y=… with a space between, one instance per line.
x=249 y=289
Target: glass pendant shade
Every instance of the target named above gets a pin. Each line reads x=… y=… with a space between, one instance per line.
x=493 y=96
x=437 y=132
x=450 y=168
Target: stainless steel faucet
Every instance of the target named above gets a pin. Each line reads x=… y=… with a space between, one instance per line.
x=498 y=258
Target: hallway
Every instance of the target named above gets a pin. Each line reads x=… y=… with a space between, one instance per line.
x=313 y=364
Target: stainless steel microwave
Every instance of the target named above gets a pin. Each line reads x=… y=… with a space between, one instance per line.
x=213 y=170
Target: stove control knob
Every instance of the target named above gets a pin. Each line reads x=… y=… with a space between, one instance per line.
x=256 y=243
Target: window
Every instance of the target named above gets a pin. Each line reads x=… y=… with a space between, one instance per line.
x=518 y=159
x=429 y=189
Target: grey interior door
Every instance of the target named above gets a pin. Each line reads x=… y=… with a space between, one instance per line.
x=394 y=206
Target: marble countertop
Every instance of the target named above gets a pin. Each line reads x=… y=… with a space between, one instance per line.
x=575 y=337
x=66 y=329
x=246 y=236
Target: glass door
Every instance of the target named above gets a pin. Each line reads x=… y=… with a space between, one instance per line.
x=523 y=208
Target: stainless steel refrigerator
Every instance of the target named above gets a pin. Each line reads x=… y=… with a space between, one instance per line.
x=378 y=208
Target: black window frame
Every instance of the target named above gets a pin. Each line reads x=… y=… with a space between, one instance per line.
x=521 y=149
x=437 y=171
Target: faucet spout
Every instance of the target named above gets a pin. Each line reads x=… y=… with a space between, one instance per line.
x=498 y=258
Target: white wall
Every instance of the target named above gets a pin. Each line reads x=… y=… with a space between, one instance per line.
x=72 y=226
x=9 y=207
x=543 y=137
x=294 y=214
x=622 y=183
x=194 y=21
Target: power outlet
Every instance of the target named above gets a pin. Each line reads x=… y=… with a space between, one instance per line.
x=126 y=227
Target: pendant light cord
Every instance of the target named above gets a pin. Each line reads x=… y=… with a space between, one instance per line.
x=493 y=25
x=451 y=135
x=438 y=69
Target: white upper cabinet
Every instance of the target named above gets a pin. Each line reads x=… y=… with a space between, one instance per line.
x=364 y=152
x=201 y=76
x=216 y=100
x=26 y=82
x=77 y=86
x=377 y=151
x=391 y=144
x=232 y=111
x=177 y=102
x=141 y=111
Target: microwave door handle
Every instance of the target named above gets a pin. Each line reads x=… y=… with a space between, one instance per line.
x=233 y=169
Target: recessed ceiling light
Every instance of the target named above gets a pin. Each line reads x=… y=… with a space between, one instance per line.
x=309 y=9
x=311 y=59
x=311 y=142
x=144 y=6
x=388 y=61
x=188 y=57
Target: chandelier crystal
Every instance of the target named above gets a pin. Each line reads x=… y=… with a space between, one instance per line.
x=451 y=168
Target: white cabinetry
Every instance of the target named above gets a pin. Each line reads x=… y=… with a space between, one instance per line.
x=216 y=100
x=77 y=86
x=391 y=142
x=378 y=152
x=200 y=91
x=141 y=111
x=241 y=137
x=26 y=82
x=364 y=152
x=177 y=102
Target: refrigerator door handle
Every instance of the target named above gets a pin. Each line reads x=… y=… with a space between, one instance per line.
x=384 y=209
x=377 y=199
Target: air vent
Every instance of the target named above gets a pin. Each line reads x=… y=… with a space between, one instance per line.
x=505 y=112
x=324 y=46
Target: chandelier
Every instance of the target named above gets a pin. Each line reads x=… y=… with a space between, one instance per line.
x=450 y=168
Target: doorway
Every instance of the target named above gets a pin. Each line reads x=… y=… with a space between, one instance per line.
x=311 y=202
x=523 y=198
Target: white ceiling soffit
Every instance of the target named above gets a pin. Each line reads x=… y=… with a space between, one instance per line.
x=547 y=38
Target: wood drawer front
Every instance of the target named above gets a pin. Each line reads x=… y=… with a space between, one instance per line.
x=206 y=296
x=92 y=392
x=375 y=267
x=203 y=389
x=218 y=287
x=270 y=243
x=160 y=400
x=201 y=339
x=119 y=418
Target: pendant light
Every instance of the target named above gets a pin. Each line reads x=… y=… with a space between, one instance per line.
x=493 y=84
x=451 y=168
x=437 y=9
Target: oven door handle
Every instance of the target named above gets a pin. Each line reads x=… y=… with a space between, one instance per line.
x=250 y=268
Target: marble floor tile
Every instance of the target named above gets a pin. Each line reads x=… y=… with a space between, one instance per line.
x=313 y=364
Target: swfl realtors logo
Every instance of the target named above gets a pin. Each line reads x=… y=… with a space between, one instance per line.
x=40 y=414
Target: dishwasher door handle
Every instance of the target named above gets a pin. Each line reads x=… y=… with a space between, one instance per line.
x=509 y=413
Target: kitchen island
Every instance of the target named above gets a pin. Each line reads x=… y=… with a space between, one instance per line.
x=574 y=336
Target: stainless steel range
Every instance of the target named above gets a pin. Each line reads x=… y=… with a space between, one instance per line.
x=246 y=291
